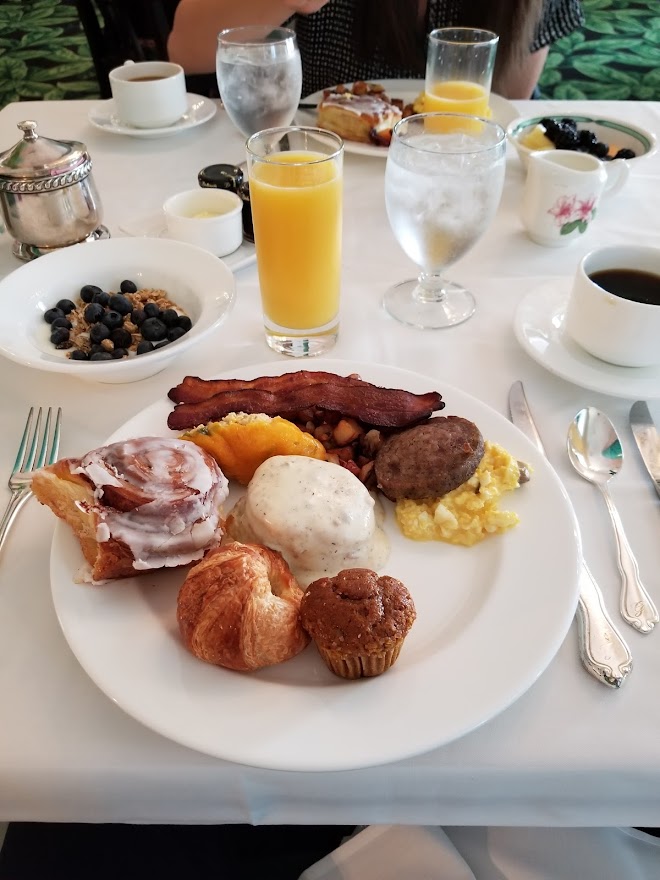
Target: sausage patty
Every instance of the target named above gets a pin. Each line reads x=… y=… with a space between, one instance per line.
x=429 y=460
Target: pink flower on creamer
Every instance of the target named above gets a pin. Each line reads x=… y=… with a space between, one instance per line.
x=584 y=209
x=563 y=209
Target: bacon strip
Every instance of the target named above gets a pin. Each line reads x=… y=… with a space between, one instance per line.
x=193 y=389
x=370 y=404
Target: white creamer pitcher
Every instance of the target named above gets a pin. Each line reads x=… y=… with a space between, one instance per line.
x=562 y=192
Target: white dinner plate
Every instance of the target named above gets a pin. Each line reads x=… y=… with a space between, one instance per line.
x=153 y=226
x=503 y=111
x=539 y=328
x=200 y=110
x=490 y=618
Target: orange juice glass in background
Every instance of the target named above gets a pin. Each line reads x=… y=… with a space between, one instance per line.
x=459 y=71
x=296 y=197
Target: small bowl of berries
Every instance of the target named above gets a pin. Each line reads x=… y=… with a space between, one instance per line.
x=610 y=140
x=113 y=311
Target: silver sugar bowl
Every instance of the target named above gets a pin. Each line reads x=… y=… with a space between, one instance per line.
x=47 y=194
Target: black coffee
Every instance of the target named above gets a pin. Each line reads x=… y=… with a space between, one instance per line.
x=145 y=79
x=632 y=284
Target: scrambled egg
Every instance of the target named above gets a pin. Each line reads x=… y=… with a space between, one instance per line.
x=470 y=512
x=241 y=442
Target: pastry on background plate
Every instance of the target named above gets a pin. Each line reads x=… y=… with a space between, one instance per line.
x=358 y=621
x=137 y=505
x=363 y=113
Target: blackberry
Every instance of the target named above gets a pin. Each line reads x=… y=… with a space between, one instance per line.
x=599 y=149
x=587 y=138
x=567 y=139
x=625 y=153
x=551 y=127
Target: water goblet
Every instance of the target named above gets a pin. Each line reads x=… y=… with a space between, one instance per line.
x=442 y=189
x=259 y=76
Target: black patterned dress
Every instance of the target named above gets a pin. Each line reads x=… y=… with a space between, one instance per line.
x=326 y=42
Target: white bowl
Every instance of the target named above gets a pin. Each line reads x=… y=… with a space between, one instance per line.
x=209 y=218
x=610 y=131
x=193 y=279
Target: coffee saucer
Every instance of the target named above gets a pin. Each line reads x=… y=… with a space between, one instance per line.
x=539 y=328
x=153 y=226
x=199 y=110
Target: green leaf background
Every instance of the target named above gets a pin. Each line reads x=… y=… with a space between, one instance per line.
x=615 y=56
x=44 y=54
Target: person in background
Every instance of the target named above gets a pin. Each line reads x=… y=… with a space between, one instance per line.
x=347 y=40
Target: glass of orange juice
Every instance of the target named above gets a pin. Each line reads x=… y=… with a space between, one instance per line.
x=296 y=197
x=459 y=71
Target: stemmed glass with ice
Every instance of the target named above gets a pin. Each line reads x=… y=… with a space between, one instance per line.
x=443 y=184
x=259 y=76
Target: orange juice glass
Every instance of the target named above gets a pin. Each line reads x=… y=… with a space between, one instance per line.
x=296 y=197
x=459 y=71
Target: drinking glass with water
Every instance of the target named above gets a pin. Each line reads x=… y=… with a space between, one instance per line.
x=259 y=76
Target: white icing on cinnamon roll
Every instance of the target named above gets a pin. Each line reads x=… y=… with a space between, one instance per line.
x=159 y=496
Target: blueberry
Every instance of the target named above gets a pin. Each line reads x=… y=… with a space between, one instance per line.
x=128 y=287
x=121 y=304
x=100 y=356
x=78 y=355
x=138 y=316
x=93 y=313
x=624 y=153
x=169 y=317
x=162 y=344
x=151 y=310
x=99 y=332
x=88 y=292
x=66 y=306
x=101 y=298
x=51 y=314
x=112 y=320
x=175 y=333
x=153 y=329
x=94 y=349
x=59 y=336
x=121 y=338
x=61 y=322
x=144 y=347
x=119 y=353
x=184 y=322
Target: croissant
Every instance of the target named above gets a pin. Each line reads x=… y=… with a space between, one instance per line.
x=240 y=608
x=137 y=505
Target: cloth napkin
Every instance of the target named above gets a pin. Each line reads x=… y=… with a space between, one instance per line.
x=396 y=852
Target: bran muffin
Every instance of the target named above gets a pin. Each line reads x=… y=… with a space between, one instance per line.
x=358 y=621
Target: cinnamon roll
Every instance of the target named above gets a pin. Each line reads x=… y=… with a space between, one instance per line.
x=137 y=505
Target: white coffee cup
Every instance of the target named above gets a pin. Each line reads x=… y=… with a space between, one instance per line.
x=209 y=218
x=149 y=94
x=607 y=325
x=562 y=193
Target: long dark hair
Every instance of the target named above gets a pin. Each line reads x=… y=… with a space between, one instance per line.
x=395 y=30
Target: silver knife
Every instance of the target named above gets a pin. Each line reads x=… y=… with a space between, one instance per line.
x=603 y=652
x=647 y=439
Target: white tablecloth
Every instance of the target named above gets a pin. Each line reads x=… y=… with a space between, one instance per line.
x=569 y=752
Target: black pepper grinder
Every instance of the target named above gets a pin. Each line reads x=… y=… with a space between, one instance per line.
x=230 y=177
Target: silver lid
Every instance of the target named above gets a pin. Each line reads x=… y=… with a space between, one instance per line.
x=39 y=164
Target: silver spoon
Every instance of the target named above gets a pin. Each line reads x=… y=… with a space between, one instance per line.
x=595 y=452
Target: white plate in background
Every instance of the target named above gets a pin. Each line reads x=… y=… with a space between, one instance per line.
x=503 y=111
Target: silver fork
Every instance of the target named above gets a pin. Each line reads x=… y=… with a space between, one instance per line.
x=37 y=448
